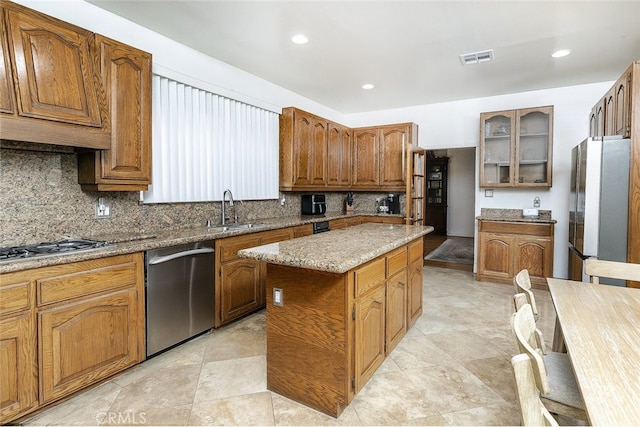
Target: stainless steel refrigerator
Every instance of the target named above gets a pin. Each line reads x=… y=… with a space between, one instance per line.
x=599 y=203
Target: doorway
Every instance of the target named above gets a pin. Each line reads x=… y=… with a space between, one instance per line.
x=454 y=248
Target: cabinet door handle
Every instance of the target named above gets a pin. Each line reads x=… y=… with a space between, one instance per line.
x=161 y=259
x=403 y=154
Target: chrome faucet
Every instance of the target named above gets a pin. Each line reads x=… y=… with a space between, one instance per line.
x=224 y=216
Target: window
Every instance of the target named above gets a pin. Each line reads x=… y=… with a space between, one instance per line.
x=204 y=143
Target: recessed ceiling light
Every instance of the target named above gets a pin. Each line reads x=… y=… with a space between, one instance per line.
x=299 y=39
x=560 y=53
x=367 y=86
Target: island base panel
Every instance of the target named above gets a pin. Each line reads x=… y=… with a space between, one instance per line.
x=307 y=338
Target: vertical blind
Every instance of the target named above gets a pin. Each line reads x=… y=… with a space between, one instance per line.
x=204 y=143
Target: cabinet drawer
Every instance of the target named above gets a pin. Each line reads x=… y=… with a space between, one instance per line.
x=369 y=276
x=396 y=261
x=523 y=228
x=337 y=224
x=275 y=236
x=14 y=297
x=87 y=278
x=302 y=230
x=228 y=248
x=415 y=250
x=353 y=221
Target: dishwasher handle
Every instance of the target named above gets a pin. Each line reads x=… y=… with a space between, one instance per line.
x=161 y=259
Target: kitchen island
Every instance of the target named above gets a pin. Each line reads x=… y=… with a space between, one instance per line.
x=337 y=304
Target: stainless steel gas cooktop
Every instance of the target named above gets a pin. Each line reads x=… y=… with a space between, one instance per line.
x=48 y=248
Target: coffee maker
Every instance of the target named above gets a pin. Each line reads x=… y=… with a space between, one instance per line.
x=394 y=203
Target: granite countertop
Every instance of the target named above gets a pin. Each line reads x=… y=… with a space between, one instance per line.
x=338 y=251
x=135 y=241
x=514 y=215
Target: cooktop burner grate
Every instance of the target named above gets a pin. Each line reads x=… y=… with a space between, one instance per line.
x=48 y=248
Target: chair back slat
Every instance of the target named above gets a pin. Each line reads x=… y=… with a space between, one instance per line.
x=527 y=338
x=596 y=268
x=532 y=409
x=522 y=285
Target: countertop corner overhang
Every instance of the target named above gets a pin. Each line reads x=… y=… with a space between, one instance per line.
x=337 y=251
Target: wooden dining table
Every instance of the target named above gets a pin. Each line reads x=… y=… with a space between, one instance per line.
x=601 y=328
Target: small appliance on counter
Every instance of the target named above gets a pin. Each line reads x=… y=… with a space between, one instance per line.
x=348 y=204
x=383 y=205
x=314 y=204
x=394 y=203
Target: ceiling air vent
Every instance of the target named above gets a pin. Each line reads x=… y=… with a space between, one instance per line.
x=477 y=57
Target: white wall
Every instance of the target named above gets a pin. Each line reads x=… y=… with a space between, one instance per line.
x=461 y=192
x=443 y=125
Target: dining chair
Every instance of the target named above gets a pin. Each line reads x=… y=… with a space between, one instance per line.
x=519 y=301
x=552 y=371
x=596 y=268
x=532 y=410
x=522 y=284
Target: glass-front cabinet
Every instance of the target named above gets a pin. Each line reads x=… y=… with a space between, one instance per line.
x=516 y=147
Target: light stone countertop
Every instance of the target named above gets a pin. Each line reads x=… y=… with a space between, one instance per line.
x=514 y=215
x=338 y=251
x=132 y=241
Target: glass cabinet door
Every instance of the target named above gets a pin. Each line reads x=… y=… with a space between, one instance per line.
x=516 y=147
x=497 y=139
x=533 y=147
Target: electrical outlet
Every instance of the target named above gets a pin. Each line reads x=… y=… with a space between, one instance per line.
x=278 y=297
x=102 y=209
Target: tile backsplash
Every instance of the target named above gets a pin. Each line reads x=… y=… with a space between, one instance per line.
x=41 y=200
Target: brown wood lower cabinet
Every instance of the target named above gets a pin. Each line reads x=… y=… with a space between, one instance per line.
x=383 y=219
x=18 y=366
x=86 y=340
x=414 y=282
x=86 y=320
x=240 y=282
x=505 y=248
x=396 y=298
x=333 y=330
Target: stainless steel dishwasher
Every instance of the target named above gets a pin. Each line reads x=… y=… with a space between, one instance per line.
x=179 y=294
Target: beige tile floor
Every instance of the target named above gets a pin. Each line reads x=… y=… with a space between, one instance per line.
x=452 y=368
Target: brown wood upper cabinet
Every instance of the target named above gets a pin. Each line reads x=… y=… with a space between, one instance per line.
x=126 y=166
x=317 y=154
x=51 y=81
x=612 y=114
x=303 y=150
x=516 y=148
x=339 y=155
x=380 y=156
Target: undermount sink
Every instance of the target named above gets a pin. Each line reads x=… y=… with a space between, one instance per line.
x=231 y=227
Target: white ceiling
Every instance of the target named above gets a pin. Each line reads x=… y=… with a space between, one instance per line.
x=408 y=49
